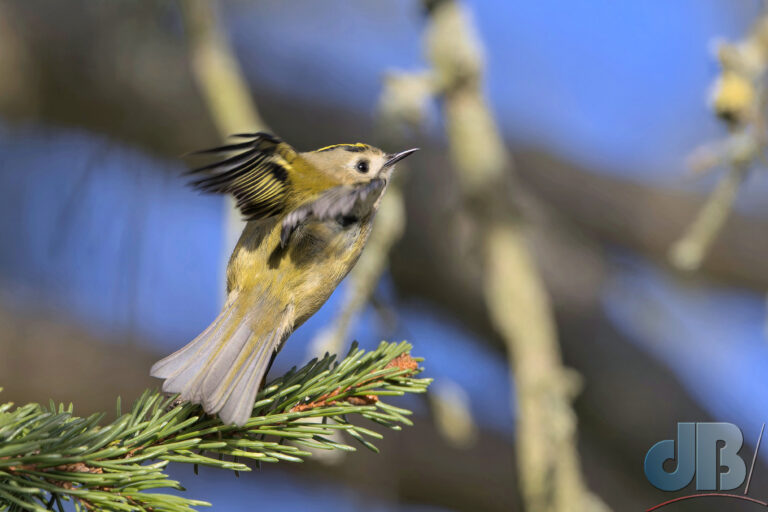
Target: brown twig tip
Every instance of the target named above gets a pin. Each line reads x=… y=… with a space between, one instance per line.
x=401 y=362
x=78 y=467
x=328 y=400
x=320 y=402
x=404 y=362
x=363 y=400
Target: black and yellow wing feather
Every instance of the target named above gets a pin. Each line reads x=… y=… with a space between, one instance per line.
x=257 y=174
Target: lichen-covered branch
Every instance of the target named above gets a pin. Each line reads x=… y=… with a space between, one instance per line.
x=739 y=99
x=48 y=456
x=549 y=469
x=217 y=71
x=690 y=250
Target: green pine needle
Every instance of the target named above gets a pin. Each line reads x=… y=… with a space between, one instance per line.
x=49 y=456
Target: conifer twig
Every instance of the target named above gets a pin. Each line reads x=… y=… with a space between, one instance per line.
x=48 y=456
x=739 y=98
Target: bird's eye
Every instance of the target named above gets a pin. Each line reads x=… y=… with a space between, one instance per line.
x=362 y=166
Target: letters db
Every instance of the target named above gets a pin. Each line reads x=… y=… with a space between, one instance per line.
x=708 y=451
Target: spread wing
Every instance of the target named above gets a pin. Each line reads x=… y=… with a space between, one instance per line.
x=342 y=202
x=256 y=173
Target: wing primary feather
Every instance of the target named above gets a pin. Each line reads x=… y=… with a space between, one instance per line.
x=226 y=148
x=258 y=175
x=258 y=135
x=227 y=164
x=212 y=182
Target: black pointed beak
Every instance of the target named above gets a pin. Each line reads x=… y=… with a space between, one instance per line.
x=393 y=159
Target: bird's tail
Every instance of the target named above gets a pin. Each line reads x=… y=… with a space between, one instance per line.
x=223 y=367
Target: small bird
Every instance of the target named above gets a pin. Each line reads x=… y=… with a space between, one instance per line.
x=309 y=216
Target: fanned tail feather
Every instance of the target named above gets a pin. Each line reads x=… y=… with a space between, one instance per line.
x=223 y=367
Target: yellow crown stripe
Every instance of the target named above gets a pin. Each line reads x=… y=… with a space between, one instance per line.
x=355 y=145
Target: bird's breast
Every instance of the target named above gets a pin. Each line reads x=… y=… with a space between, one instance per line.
x=305 y=272
x=323 y=255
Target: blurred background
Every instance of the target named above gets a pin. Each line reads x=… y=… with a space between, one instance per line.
x=525 y=252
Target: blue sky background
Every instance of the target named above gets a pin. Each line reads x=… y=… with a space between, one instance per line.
x=115 y=240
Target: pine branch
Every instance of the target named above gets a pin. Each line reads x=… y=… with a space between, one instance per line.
x=49 y=456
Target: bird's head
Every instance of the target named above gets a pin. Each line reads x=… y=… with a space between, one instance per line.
x=355 y=163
